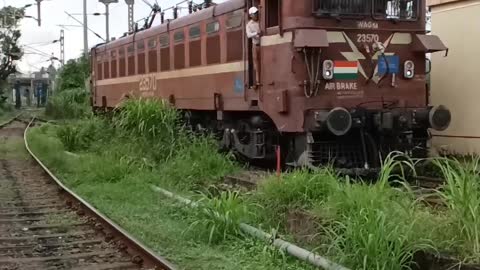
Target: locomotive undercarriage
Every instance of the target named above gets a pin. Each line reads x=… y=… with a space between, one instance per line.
x=357 y=150
x=355 y=140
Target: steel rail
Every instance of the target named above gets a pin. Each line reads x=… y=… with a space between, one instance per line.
x=11 y=120
x=140 y=254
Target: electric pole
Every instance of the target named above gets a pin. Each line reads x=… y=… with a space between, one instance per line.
x=62 y=47
x=85 y=29
x=131 y=23
x=39 y=13
x=107 y=16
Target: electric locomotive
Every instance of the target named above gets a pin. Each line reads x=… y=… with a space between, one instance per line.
x=340 y=81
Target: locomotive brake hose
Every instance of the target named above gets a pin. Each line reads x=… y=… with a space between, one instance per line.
x=313 y=73
x=317 y=83
x=305 y=90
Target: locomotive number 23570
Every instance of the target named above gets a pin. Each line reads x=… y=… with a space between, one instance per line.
x=367 y=38
x=148 y=83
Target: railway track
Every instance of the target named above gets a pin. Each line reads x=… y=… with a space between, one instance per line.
x=44 y=225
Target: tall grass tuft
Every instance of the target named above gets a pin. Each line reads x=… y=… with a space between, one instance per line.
x=153 y=118
x=197 y=164
x=68 y=104
x=155 y=123
x=298 y=188
x=80 y=135
x=375 y=226
x=462 y=195
x=70 y=137
x=218 y=217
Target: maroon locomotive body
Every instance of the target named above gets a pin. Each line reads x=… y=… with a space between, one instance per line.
x=341 y=81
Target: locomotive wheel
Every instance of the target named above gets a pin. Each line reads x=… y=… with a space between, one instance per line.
x=244 y=132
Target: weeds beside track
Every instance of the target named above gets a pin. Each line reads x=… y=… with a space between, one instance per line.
x=46 y=226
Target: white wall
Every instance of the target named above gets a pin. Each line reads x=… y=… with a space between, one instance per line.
x=455 y=79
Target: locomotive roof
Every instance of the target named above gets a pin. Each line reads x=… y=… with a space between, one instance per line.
x=204 y=14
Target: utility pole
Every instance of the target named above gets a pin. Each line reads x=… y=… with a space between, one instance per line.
x=131 y=23
x=39 y=13
x=107 y=16
x=85 y=29
x=62 y=47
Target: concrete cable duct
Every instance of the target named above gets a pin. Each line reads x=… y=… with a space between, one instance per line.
x=283 y=245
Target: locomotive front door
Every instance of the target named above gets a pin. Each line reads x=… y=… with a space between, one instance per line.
x=253 y=89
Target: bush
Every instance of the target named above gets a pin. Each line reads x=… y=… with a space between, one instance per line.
x=69 y=104
x=82 y=134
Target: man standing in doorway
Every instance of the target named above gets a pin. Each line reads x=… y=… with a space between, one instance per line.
x=254 y=33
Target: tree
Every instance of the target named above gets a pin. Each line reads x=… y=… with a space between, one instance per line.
x=9 y=36
x=73 y=74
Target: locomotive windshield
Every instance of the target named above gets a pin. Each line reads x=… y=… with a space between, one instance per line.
x=380 y=9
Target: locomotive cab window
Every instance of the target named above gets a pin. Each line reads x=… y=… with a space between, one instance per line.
x=336 y=8
x=395 y=9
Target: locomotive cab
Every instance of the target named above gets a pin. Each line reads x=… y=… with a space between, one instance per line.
x=345 y=81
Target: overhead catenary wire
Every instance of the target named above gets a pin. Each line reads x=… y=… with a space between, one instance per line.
x=88 y=28
x=37 y=50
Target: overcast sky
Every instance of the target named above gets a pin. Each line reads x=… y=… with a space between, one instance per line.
x=37 y=39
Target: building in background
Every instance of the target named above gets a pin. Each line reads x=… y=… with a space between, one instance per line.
x=455 y=79
x=34 y=86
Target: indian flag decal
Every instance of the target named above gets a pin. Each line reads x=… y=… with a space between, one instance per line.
x=345 y=70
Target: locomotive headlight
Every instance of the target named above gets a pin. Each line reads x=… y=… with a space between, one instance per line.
x=328 y=69
x=409 y=69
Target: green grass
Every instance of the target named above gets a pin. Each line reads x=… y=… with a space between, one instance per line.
x=362 y=225
x=462 y=195
x=6 y=115
x=162 y=224
x=68 y=104
x=217 y=217
x=12 y=148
